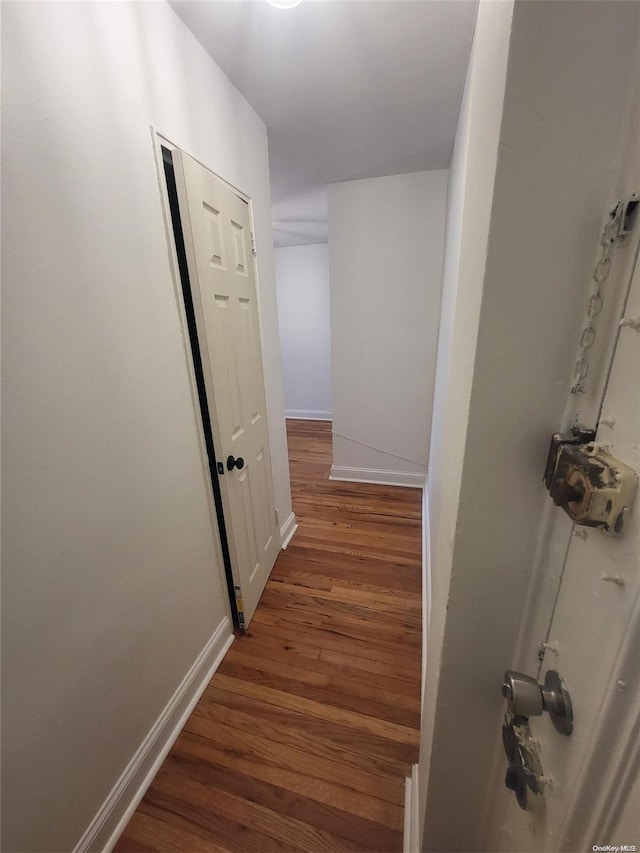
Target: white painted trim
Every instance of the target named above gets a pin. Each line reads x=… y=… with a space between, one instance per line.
x=377 y=476
x=287 y=530
x=164 y=140
x=307 y=415
x=613 y=756
x=426 y=587
x=116 y=811
x=411 y=835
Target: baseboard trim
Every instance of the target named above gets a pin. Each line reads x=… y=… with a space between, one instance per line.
x=287 y=530
x=307 y=415
x=411 y=835
x=377 y=477
x=116 y=811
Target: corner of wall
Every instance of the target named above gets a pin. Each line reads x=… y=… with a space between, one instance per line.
x=116 y=811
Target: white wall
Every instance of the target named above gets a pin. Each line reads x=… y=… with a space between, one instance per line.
x=471 y=177
x=531 y=182
x=386 y=238
x=302 y=281
x=109 y=584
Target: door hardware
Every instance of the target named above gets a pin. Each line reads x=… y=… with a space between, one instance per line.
x=577 y=436
x=628 y=219
x=220 y=468
x=235 y=463
x=526 y=698
x=524 y=774
x=590 y=484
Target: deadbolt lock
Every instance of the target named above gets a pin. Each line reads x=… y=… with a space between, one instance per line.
x=591 y=485
x=526 y=698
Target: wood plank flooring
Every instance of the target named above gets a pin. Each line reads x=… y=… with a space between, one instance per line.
x=304 y=736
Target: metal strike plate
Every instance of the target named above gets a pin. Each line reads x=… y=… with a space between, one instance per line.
x=590 y=484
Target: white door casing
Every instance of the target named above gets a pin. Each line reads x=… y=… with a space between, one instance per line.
x=219 y=248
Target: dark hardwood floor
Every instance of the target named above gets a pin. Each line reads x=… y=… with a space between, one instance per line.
x=304 y=736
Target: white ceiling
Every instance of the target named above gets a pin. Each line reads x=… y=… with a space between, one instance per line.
x=347 y=88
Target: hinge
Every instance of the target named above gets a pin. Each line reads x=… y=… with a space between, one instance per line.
x=240 y=608
x=277 y=517
x=253 y=244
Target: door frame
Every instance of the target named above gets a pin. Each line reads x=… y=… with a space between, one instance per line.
x=192 y=352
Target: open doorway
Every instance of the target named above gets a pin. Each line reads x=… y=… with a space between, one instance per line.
x=304 y=314
x=301 y=255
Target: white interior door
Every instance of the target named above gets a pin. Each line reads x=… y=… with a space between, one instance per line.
x=218 y=242
x=591 y=790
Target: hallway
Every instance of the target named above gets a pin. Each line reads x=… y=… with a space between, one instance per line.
x=306 y=732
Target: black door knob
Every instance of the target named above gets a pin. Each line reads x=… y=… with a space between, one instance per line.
x=235 y=463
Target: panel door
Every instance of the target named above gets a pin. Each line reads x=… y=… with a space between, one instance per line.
x=594 y=642
x=217 y=234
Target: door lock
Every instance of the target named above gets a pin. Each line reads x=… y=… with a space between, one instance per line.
x=592 y=486
x=526 y=698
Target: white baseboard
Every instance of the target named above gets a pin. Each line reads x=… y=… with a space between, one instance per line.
x=307 y=415
x=411 y=837
x=287 y=530
x=377 y=477
x=116 y=811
